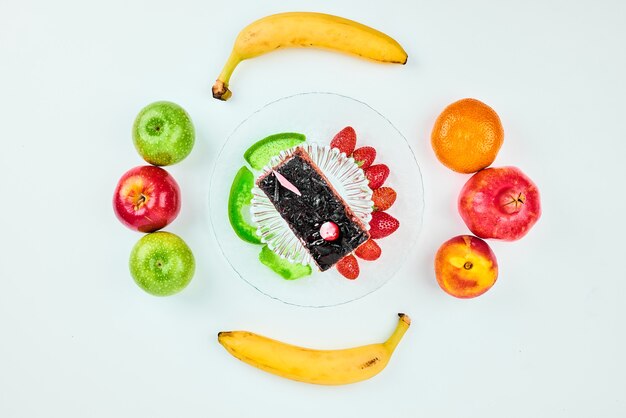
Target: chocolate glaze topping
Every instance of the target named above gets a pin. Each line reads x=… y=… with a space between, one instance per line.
x=318 y=203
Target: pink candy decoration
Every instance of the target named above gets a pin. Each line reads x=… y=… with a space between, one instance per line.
x=329 y=231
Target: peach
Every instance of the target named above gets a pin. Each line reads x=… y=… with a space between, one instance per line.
x=500 y=203
x=465 y=266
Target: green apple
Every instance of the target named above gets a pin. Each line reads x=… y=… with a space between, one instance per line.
x=163 y=133
x=161 y=263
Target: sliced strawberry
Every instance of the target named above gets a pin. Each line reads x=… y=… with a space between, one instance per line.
x=348 y=267
x=377 y=174
x=369 y=250
x=364 y=156
x=345 y=140
x=383 y=198
x=382 y=225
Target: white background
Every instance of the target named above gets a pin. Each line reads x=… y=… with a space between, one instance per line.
x=79 y=339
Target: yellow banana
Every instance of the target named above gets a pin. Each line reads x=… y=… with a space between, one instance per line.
x=306 y=29
x=324 y=367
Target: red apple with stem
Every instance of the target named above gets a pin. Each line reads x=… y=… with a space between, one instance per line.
x=146 y=198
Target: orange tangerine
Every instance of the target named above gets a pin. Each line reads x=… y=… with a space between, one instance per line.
x=467 y=136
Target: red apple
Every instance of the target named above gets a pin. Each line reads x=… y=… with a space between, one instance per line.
x=500 y=203
x=146 y=198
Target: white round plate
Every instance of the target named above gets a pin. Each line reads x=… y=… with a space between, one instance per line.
x=320 y=116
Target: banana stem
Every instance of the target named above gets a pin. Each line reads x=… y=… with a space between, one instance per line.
x=220 y=88
x=398 y=333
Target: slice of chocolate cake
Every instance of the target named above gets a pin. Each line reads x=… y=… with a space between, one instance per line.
x=306 y=200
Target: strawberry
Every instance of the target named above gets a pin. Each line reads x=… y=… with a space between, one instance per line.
x=383 y=198
x=377 y=174
x=345 y=140
x=364 y=156
x=369 y=250
x=382 y=225
x=348 y=267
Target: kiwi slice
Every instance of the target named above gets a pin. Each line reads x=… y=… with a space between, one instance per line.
x=286 y=269
x=239 y=198
x=260 y=153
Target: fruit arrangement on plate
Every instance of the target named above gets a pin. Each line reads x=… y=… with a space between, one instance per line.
x=358 y=212
x=312 y=206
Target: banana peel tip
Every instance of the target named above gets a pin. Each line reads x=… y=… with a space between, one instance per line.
x=220 y=90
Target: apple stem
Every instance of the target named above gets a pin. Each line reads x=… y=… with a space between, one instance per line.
x=141 y=200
